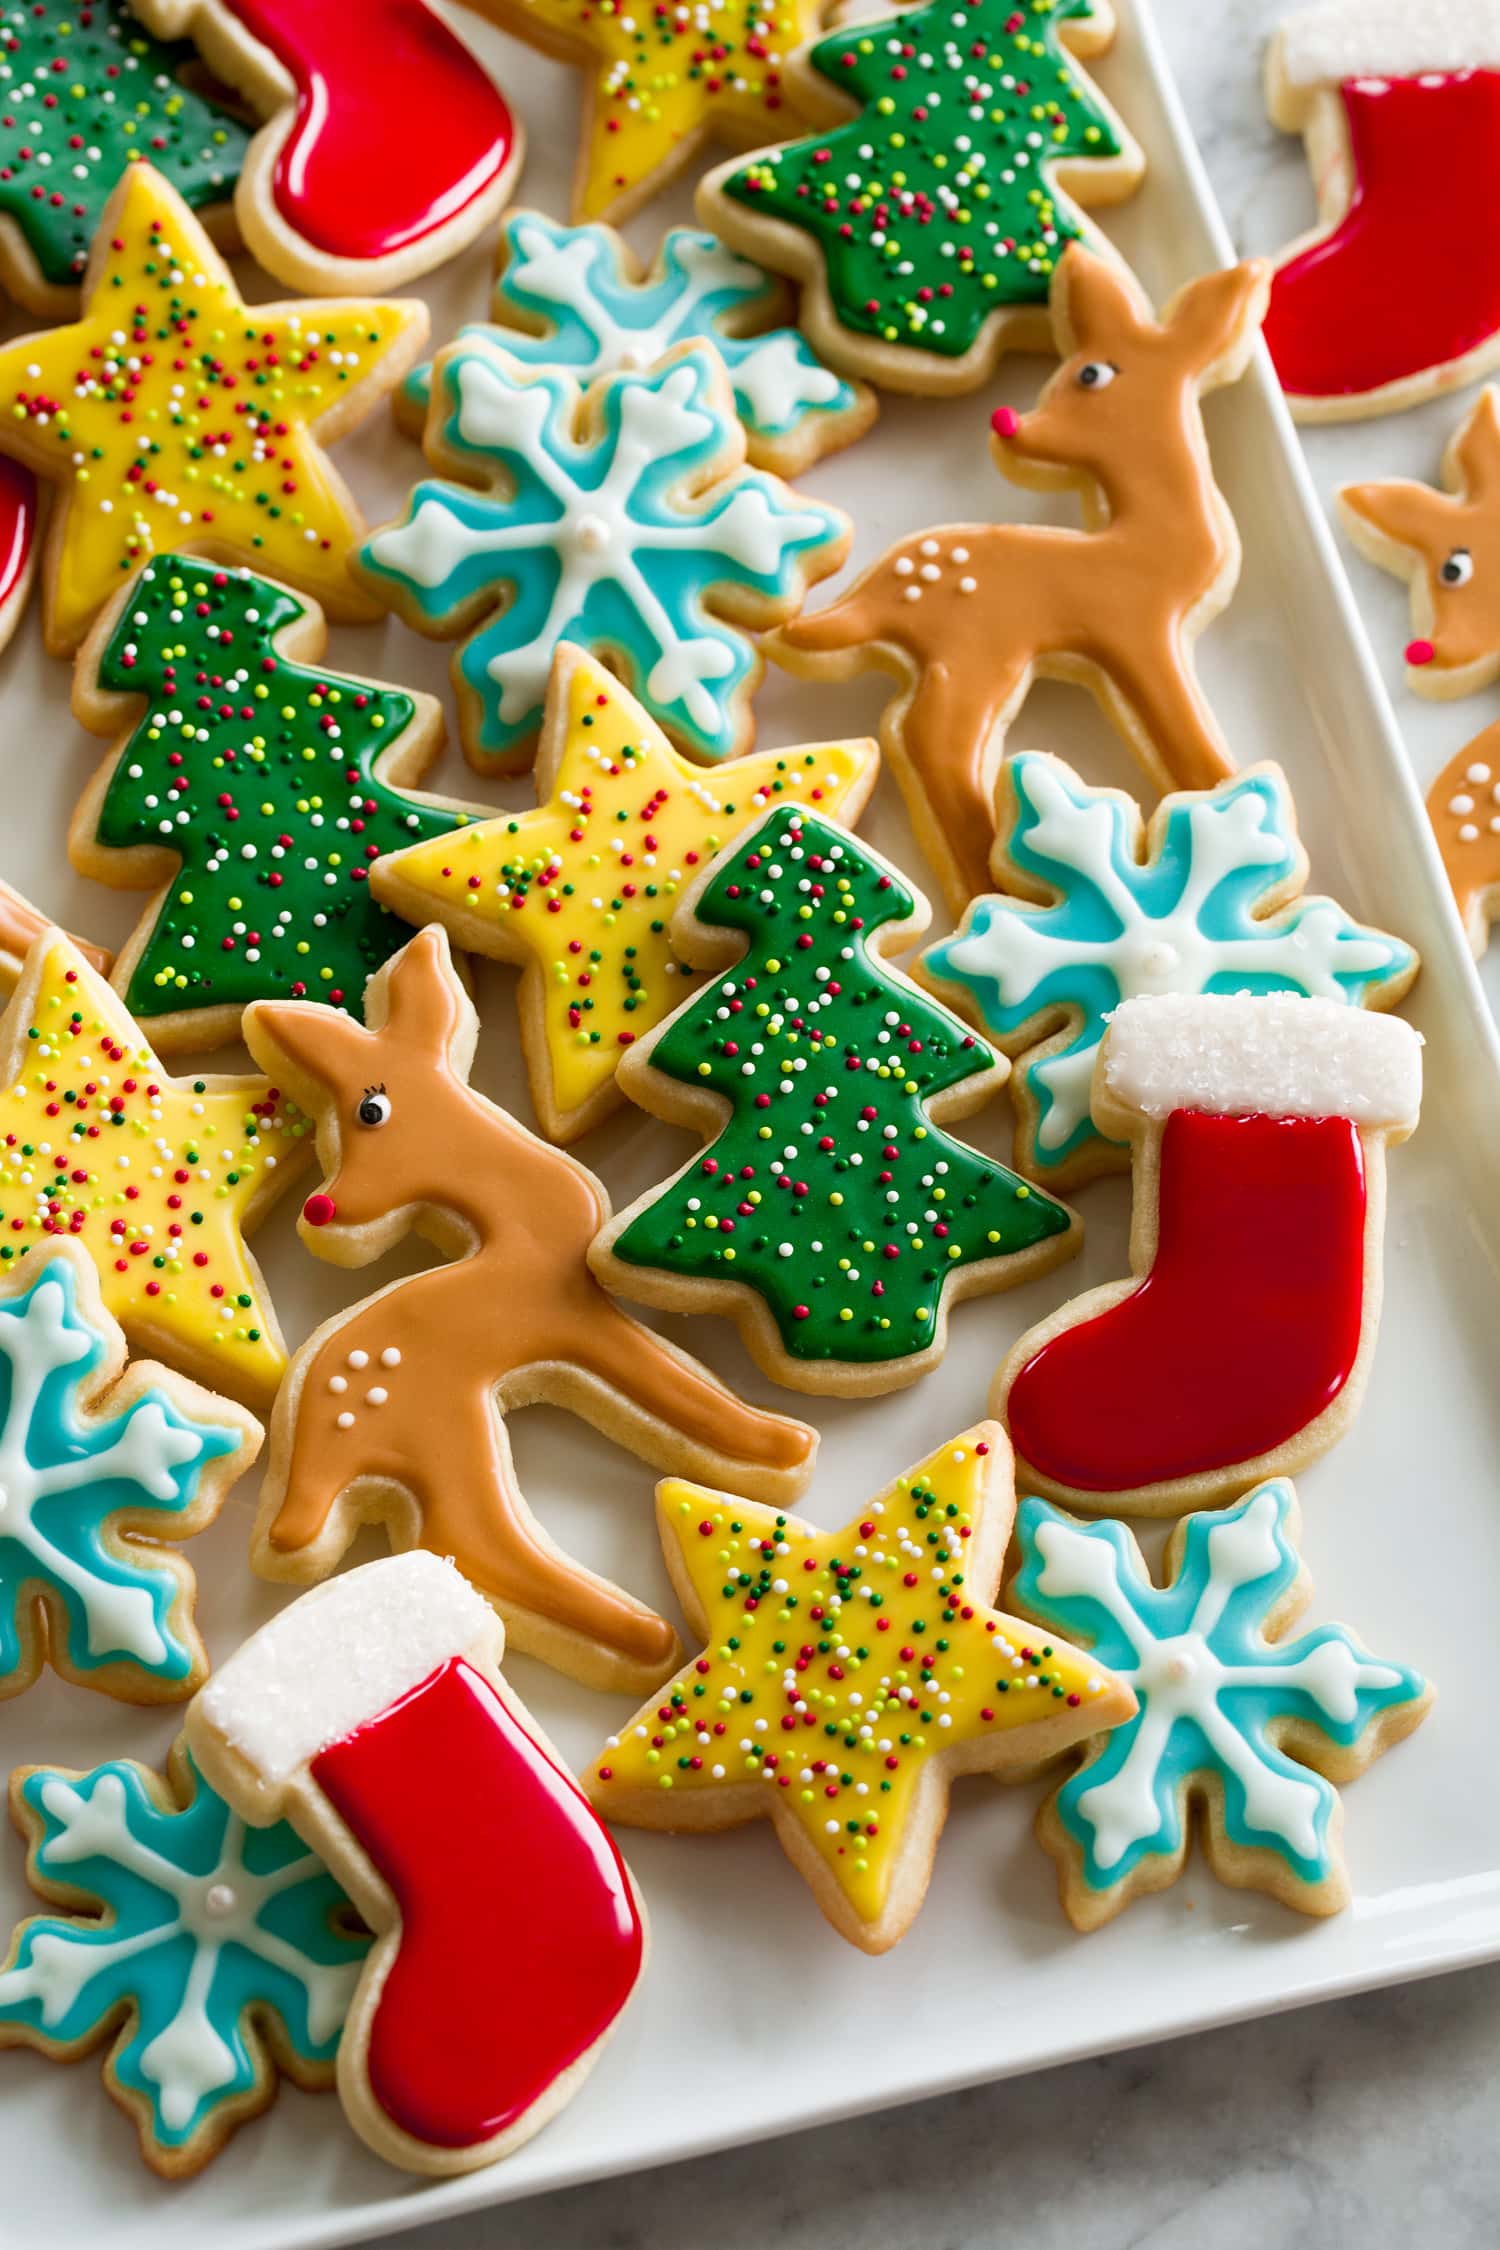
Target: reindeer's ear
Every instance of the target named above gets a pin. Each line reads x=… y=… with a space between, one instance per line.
x=1476 y=448
x=1096 y=304
x=417 y=998
x=1401 y=511
x=299 y=1038
x=1216 y=318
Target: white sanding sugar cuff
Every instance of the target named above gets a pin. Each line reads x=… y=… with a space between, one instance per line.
x=1267 y=1055
x=342 y=1654
x=1337 y=40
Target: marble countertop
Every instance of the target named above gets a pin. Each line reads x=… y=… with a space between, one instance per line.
x=1370 y=2119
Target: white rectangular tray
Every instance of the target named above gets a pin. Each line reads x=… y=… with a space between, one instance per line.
x=755 y=2018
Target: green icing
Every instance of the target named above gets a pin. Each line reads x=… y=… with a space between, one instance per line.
x=260 y=773
x=828 y=1192
x=84 y=91
x=933 y=208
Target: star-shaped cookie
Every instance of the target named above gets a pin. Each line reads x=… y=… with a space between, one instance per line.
x=580 y=892
x=173 y=415
x=846 y=1676
x=157 y=1178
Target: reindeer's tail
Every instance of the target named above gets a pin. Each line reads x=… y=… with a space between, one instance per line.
x=869 y=611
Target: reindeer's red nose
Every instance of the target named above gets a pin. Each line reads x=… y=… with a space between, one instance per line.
x=318 y=1210
x=1005 y=421
x=1420 y=652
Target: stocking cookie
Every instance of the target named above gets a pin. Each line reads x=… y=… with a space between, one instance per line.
x=1098 y=907
x=978 y=116
x=386 y=147
x=1241 y=1344
x=1446 y=545
x=237 y=469
x=831 y=1217
x=967 y=615
x=99 y=1464
x=580 y=892
x=218 y=1957
x=508 y=1933
x=1399 y=108
x=515 y=1318
x=622 y=516
x=1239 y=1731
x=158 y=1179
x=577 y=297
x=1463 y=805
x=874 y=1639
x=250 y=791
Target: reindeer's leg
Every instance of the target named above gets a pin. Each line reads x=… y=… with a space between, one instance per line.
x=1172 y=713
x=945 y=761
x=320 y=1464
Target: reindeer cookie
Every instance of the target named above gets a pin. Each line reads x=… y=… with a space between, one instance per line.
x=1446 y=545
x=514 y=1319
x=1463 y=805
x=967 y=615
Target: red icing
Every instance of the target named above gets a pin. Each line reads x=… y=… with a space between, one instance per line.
x=520 y=1939
x=1410 y=278
x=1245 y=1329
x=17 y=525
x=398 y=127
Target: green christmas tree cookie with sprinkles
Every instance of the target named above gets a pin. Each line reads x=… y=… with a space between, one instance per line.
x=84 y=91
x=252 y=794
x=927 y=226
x=831 y=1217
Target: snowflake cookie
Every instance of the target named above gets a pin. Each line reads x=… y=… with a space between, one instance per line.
x=577 y=297
x=1204 y=898
x=622 y=518
x=97 y=1465
x=1234 y=1719
x=219 y=1954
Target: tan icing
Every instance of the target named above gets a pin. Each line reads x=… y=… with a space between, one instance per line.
x=975 y=611
x=1463 y=805
x=517 y=1315
x=21 y=924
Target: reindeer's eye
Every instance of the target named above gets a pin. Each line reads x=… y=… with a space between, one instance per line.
x=1096 y=374
x=375 y=1108
x=1458 y=568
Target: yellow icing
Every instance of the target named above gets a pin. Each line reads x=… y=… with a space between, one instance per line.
x=210 y=402
x=582 y=889
x=157 y=1199
x=858 y=1669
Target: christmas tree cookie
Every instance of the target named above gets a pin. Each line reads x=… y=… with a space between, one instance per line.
x=84 y=92
x=1097 y=907
x=251 y=791
x=580 y=892
x=846 y=1676
x=831 y=1216
x=927 y=225
x=172 y=415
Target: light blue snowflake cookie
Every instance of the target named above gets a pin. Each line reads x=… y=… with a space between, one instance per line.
x=1234 y=1719
x=220 y=1953
x=97 y=1465
x=623 y=519
x=1205 y=899
x=577 y=298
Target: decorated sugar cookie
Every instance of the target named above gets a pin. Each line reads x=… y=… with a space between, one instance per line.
x=1447 y=546
x=927 y=214
x=158 y=1179
x=1463 y=805
x=21 y=924
x=1239 y=1732
x=623 y=516
x=577 y=297
x=1398 y=104
x=967 y=615
x=216 y=1957
x=386 y=147
x=1097 y=907
x=98 y=1465
x=515 y=1318
x=1240 y=1346
x=830 y=1216
x=84 y=92
x=846 y=1677
x=251 y=791
x=509 y=1935
x=580 y=892
x=171 y=415
x=19 y=539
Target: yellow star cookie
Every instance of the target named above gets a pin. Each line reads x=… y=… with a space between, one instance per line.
x=173 y=415
x=580 y=892
x=157 y=1178
x=665 y=79
x=847 y=1676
